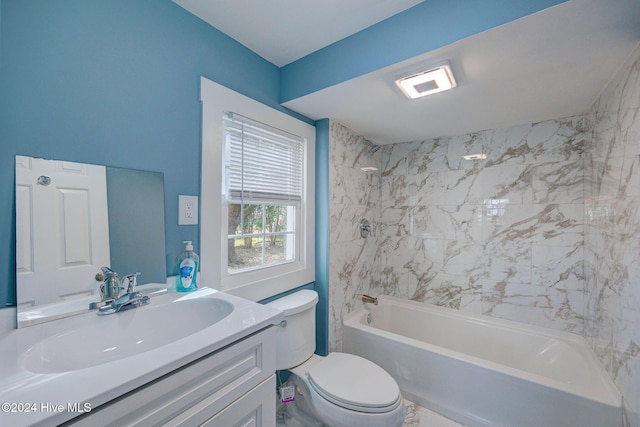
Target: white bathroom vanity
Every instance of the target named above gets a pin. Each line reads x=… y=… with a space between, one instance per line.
x=204 y=357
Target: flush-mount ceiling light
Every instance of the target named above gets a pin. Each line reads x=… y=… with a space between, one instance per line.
x=427 y=82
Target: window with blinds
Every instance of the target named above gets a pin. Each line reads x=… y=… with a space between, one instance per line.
x=263 y=186
x=263 y=163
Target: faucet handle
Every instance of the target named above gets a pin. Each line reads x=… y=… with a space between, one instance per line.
x=130 y=281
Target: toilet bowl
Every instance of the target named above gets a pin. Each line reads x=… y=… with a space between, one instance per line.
x=344 y=390
x=340 y=389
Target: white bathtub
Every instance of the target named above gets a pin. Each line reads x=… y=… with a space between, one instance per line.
x=483 y=371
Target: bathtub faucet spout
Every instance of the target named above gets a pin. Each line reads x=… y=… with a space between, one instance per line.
x=370 y=300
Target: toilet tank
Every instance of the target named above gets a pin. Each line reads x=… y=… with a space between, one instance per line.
x=296 y=335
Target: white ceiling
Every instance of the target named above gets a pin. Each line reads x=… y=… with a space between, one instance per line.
x=285 y=30
x=548 y=65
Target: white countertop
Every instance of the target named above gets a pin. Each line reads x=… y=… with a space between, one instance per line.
x=42 y=394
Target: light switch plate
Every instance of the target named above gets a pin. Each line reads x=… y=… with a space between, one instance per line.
x=187 y=210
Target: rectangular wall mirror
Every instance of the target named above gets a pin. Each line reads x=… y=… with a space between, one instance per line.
x=72 y=219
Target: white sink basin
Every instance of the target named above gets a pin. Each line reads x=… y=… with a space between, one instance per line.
x=120 y=335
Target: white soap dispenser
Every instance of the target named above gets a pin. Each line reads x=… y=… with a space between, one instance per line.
x=187 y=269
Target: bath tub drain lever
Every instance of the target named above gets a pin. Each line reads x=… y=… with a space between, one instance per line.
x=371 y=300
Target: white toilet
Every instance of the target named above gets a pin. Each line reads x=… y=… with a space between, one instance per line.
x=339 y=390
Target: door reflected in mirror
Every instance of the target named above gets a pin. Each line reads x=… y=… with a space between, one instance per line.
x=72 y=219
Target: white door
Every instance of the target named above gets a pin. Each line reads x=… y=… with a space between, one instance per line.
x=62 y=229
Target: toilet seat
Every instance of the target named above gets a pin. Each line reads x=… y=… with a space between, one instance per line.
x=354 y=383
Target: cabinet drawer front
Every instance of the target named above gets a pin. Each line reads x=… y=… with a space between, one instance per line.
x=220 y=378
x=255 y=409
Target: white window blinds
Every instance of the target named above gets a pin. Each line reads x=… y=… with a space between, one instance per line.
x=263 y=164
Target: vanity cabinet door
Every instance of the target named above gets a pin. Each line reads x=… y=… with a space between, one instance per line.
x=194 y=393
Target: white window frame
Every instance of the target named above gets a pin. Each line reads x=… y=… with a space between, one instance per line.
x=260 y=283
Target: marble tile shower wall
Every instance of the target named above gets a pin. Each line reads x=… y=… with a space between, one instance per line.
x=502 y=236
x=612 y=232
x=354 y=194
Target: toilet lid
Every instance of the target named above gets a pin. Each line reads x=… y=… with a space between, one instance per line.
x=355 y=383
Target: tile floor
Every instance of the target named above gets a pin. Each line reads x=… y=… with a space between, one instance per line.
x=417 y=416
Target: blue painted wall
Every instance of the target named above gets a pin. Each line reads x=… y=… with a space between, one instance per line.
x=322 y=236
x=117 y=83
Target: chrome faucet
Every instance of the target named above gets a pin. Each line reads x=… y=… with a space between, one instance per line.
x=109 y=287
x=112 y=299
